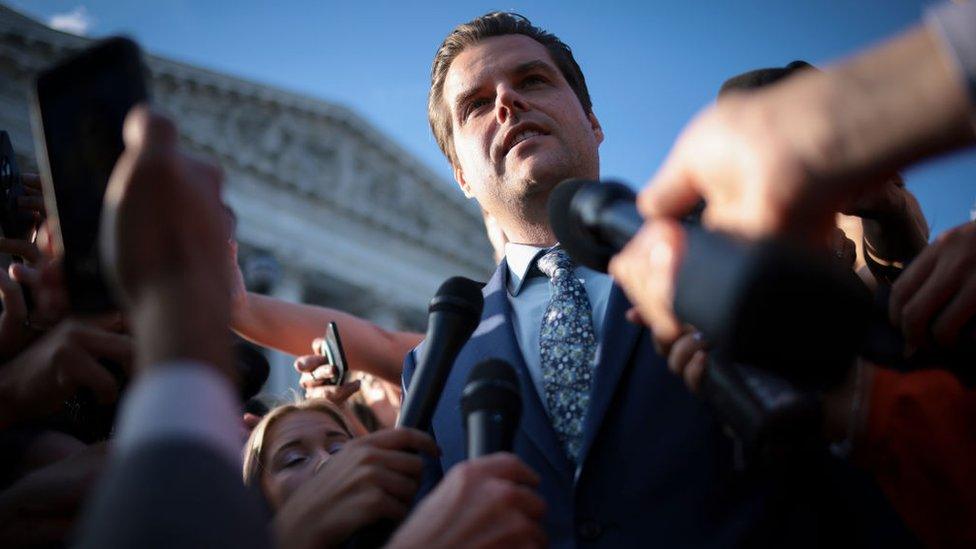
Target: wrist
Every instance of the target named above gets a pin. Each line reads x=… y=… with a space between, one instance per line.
x=173 y=322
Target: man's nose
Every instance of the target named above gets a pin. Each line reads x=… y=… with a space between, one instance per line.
x=509 y=103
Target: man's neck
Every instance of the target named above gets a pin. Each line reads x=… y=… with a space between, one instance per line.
x=533 y=233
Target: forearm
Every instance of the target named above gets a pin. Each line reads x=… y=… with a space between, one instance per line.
x=890 y=107
x=291 y=327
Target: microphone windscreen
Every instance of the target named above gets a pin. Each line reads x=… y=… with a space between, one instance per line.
x=459 y=295
x=573 y=234
x=252 y=368
x=492 y=385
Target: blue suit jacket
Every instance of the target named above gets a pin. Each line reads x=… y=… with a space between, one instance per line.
x=654 y=468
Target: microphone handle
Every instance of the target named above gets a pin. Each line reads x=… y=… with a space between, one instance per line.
x=433 y=366
x=487 y=433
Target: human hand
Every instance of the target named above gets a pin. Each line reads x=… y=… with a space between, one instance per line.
x=488 y=502
x=373 y=477
x=238 y=289
x=161 y=264
x=688 y=359
x=56 y=366
x=15 y=332
x=646 y=269
x=40 y=509
x=935 y=297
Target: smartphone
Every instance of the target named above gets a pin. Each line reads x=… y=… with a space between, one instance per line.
x=14 y=222
x=78 y=109
x=335 y=354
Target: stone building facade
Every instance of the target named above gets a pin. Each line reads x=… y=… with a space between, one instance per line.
x=330 y=211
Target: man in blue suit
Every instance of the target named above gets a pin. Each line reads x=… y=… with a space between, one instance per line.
x=632 y=456
x=626 y=454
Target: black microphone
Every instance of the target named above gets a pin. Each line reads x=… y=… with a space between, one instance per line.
x=766 y=303
x=252 y=368
x=455 y=312
x=491 y=404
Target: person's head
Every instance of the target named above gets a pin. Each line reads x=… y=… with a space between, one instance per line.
x=290 y=444
x=509 y=107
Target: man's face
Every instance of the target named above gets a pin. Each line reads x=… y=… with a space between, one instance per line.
x=519 y=128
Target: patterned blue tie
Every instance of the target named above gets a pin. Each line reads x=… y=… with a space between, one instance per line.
x=567 y=347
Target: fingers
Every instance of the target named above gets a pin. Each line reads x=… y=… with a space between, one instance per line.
x=14 y=307
x=683 y=349
x=82 y=371
x=309 y=363
x=20 y=248
x=250 y=420
x=633 y=316
x=318 y=346
x=343 y=392
x=694 y=370
x=646 y=269
x=103 y=344
x=505 y=466
x=671 y=192
x=145 y=129
x=909 y=282
x=31 y=181
x=918 y=313
x=401 y=487
x=31 y=203
x=960 y=310
x=402 y=439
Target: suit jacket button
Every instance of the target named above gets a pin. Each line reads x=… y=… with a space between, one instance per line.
x=589 y=530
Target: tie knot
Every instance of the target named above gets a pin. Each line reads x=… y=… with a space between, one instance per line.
x=555 y=260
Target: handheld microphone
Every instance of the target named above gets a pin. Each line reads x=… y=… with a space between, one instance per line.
x=455 y=312
x=491 y=404
x=766 y=304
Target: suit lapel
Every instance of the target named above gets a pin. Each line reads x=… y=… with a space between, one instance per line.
x=495 y=337
x=613 y=354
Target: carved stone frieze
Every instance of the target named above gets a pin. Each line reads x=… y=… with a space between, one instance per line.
x=311 y=181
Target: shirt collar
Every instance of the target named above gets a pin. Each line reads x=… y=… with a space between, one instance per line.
x=521 y=259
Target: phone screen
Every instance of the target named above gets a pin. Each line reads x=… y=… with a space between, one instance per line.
x=81 y=105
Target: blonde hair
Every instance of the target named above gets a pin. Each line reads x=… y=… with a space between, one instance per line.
x=254 y=448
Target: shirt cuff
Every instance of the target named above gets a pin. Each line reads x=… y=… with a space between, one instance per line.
x=955 y=24
x=186 y=400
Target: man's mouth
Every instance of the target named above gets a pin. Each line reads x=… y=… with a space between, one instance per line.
x=522 y=135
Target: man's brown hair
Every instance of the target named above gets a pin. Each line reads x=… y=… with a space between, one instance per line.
x=470 y=33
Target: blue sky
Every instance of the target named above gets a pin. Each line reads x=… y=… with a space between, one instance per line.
x=650 y=65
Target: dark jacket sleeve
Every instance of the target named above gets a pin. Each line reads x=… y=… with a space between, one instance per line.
x=174 y=493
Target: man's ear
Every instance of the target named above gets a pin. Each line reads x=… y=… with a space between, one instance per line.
x=459 y=177
x=597 y=128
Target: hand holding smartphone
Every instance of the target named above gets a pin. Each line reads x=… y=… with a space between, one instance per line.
x=334 y=353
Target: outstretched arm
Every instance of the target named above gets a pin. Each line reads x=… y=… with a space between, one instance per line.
x=291 y=327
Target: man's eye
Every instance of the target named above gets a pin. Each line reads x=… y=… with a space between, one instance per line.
x=474 y=106
x=532 y=80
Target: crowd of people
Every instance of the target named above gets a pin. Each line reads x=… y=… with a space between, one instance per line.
x=138 y=428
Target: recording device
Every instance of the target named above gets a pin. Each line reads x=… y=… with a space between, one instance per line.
x=454 y=313
x=491 y=404
x=252 y=368
x=15 y=222
x=78 y=110
x=766 y=304
x=736 y=294
x=335 y=354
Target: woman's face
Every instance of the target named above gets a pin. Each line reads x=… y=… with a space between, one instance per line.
x=297 y=445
